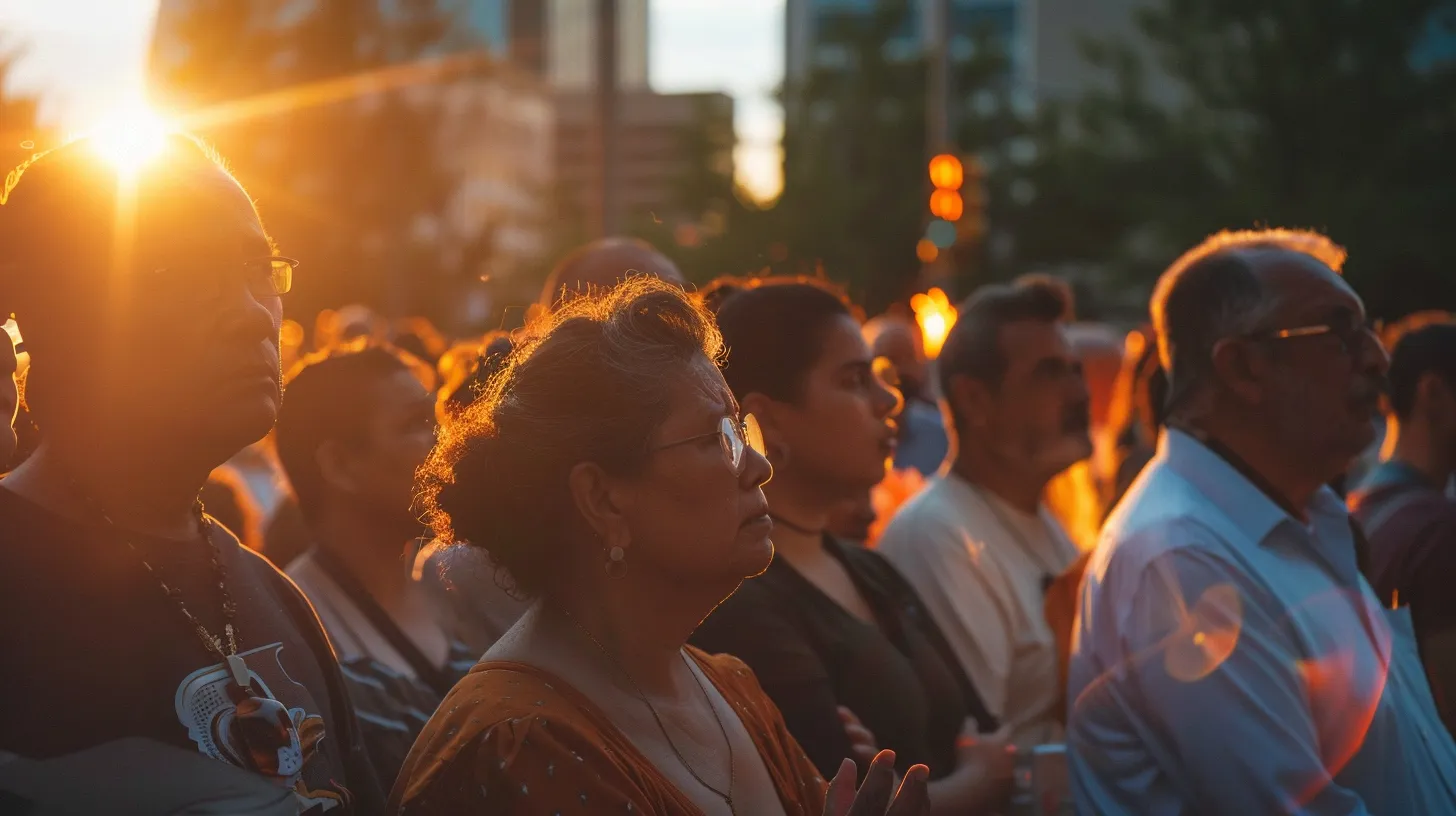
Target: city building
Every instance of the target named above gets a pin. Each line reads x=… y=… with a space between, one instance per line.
x=807 y=20
x=494 y=127
x=658 y=137
x=1040 y=38
x=556 y=39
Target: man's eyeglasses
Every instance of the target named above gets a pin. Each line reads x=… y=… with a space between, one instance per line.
x=268 y=276
x=1351 y=337
x=735 y=437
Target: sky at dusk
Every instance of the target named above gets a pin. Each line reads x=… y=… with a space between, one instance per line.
x=82 y=56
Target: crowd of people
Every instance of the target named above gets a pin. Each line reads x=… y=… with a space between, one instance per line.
x=720 y=550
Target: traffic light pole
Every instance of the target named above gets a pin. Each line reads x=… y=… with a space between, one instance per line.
x=937 y=111
x=937 y=81
x=609 y=214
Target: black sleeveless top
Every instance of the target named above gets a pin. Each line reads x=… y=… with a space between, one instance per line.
x=811 y=655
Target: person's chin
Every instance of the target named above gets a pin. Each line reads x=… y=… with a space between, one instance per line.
x=244 y=421
x=755 y=549
x=1072 y=449
x=873 y=473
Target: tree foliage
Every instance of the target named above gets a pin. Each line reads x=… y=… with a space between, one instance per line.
x=855 y=186
x=1338 y=115
x=854 y=201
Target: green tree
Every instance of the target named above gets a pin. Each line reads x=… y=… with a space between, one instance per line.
x=855 y=194
x=855 y=187
x=1334 y=115
x=345 y=166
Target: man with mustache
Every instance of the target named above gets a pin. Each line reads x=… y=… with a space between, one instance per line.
x=1229 y=656
x=978 y=544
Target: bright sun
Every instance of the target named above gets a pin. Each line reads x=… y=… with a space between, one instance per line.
x=131 y=137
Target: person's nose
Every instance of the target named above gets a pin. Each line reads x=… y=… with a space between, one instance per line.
x=889 y=402
x=247 y=316
x=1373 y=359
x=756 y=469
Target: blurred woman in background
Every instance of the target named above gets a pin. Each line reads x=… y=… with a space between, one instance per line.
x=609 y=473
x=838 y=639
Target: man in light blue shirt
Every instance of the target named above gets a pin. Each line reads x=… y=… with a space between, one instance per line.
x=1229 y=658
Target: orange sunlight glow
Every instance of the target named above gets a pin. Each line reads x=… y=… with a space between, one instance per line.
x=131 y=137
x=935 y=315
x=1208 y=635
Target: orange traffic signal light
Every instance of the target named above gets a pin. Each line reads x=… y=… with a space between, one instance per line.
x=946 y=204
x=926 y=250
x=946 y=172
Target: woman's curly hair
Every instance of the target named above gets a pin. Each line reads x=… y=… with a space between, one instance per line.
x=585 y=383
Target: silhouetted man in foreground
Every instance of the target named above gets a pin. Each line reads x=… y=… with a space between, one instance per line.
x=150 y=303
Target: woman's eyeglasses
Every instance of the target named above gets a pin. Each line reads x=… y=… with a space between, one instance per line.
x=735 y=437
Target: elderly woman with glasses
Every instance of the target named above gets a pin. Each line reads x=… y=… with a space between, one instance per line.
x=609 y=475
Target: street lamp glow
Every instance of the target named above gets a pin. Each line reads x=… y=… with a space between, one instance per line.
x=935 y=315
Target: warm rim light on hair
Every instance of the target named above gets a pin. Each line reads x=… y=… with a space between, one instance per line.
x=131 y=137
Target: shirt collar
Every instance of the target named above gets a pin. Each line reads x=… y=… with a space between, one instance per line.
x=1231 y=492
x=1394 y=473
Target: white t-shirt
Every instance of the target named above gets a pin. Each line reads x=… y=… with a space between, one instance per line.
x=982 y=567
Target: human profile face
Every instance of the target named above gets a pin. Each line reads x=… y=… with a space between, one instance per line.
x=693 y=518
x=839 y=435
x=1037 y=419
x=399 y=433
x=1319 y=379
x=191 y=340
x=900 y=344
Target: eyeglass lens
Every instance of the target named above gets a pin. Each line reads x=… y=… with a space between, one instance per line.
x=739 y=437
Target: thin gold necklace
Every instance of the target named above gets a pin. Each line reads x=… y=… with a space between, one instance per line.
x=726 y=797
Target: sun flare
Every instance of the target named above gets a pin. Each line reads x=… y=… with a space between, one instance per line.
x=131 y=137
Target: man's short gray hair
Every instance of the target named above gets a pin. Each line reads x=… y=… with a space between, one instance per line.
x=1213 y=292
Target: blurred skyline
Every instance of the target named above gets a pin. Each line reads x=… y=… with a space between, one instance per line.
x=82 y=56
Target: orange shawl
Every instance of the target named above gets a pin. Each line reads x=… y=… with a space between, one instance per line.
x=513 y=739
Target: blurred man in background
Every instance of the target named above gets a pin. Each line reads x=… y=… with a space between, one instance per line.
x=1403 y=507
x=922 y=440
x=977 y=544
x=603 y=264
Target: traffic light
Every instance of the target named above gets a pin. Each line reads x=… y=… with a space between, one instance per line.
x=946 y=172
x=946 y=204
x=957 y=205
x=947 y=175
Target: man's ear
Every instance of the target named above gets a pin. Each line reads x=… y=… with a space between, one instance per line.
x=336 y=466
x=1243 y=367
x=971 y=400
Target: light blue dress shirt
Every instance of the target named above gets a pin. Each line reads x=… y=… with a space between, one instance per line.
x=1230 y=659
